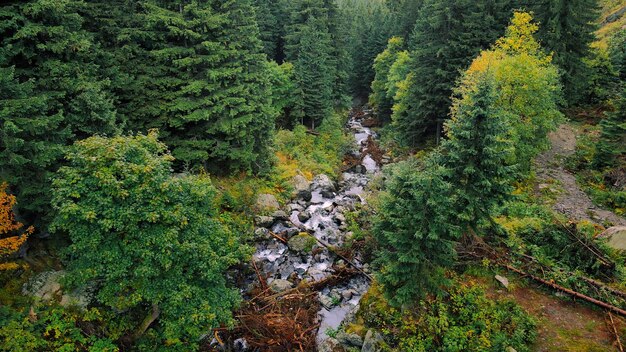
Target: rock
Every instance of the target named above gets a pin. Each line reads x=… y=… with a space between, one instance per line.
x=304 y=216
x=280 y=215
x=510 y=349
x=267 y=202
x=328 y=345
x=616 y=236
x=503 y=280
x=264 y=221
x=323 y=182
x=347 y=339
x=305 y=195
x=44 y=286
x=261 y=233
x=300 y=183
x=347 y=295
x=328 y=194
x=301 y=243
x=241 y=345
x=327 y=302
x=372 y=341
x=279 y=285
x=295 y=207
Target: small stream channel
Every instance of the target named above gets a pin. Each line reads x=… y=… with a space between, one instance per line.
x=323 y=215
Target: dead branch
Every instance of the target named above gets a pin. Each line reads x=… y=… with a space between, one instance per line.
x=567 y=290
x=619 y=342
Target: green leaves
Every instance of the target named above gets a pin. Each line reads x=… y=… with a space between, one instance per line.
x=146 y=236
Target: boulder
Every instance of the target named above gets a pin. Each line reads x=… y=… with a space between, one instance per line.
x=261 y=233
x=46 y=287
x=267 y=202
x=372 y=342
x=305 y=195
x=304 y=216
x=279 y=285
x=616 y=236
x=300 y=183
x=323 y=182
x=301 y=243
x=280 y=215
x=241 y=345
x=349 y=340
x=328 y=345
x=264 y=221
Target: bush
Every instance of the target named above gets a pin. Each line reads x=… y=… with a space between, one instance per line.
x=463 y=319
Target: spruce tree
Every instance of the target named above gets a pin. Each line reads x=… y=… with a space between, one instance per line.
x=313 y=74
x=52 y=92
x=423 y=214
x=447 y=35
x=612 y=144
x=567 y=30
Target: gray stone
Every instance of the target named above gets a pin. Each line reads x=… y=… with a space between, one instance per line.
x=267 y=202
x=347 y=339
x=280 y=215
x=261 y=233
x=304 y=216
x=279 y=285
x=328 y=345
x=301 y=243
x=616 y=236
x=503 y=280
x=327 y=302
x=372 y=342
x=305 y=195
x=347 y=294
x=510 y=349
x=300 y=183
x=328 y=194
x=264 y=221
x=241 y=345
x=46 y=287
x=323 y=182
x=295 y=207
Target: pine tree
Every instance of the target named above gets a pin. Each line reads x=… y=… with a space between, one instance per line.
x=612 y=144
x=313 y=74
x=270 y=29
x=447 y=35
x=424 y=213
x=52 y=92
x=567 y=30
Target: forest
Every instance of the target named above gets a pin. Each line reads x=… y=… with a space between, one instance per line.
x=312 y=175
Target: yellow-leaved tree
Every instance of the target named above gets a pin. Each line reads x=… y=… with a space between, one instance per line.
x=527 y=82
x=12 y=235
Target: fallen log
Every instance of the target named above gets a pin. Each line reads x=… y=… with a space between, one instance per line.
x=573 y=293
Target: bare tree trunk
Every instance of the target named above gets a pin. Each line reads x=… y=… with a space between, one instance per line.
x=145 y=324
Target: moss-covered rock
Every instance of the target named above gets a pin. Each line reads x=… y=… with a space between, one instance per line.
x=302 y=243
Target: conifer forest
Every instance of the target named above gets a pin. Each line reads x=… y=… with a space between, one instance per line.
x=312 y=175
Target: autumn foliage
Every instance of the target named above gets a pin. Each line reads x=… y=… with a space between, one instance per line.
x=12 y=237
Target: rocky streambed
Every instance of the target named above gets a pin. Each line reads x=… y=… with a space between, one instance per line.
x=296 y=242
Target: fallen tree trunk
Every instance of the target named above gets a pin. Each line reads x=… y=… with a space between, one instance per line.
x=594 y=301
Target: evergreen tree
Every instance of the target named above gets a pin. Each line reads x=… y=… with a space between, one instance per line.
x=424 y=213
x=271 y=31
x=405 y=13
x=313 y=74
x=611 y=147
x=567 y=30
x=147 y=237
x=447 y=35
x=196 y=72
x=52 y=92
x=381 y=98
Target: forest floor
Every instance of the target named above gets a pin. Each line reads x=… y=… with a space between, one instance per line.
x=563 y=325
x=553 y=177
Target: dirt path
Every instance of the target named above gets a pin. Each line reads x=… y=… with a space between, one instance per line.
x=553 y=178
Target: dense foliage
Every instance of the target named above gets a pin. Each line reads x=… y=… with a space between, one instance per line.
x=149 y=238
x=463 y=320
